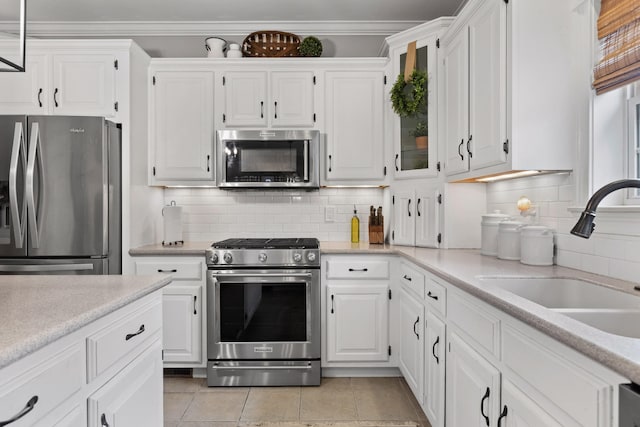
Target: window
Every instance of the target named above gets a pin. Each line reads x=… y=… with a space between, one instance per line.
x=634 y=147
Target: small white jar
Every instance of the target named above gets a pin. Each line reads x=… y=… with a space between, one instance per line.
x=234 y=51
x=536 y=245
x=509 y=240
x=489 y=231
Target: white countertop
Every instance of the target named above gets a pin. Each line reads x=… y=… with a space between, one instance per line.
x=461 y=268
x=37 y=310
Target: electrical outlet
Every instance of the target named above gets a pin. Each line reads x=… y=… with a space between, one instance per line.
x=329 y=214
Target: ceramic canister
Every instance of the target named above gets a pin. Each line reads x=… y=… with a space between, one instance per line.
x=536 y=245
x=234 y=51
x=489 y=231
x=509 y=240
x=215 y=47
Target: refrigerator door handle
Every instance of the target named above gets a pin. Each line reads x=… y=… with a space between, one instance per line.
x=44 y=267
x=34 y=147
x=18 y=219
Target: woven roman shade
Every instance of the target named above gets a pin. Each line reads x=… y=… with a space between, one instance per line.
x=619 y=34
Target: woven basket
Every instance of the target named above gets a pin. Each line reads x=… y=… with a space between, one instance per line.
x=270 y=44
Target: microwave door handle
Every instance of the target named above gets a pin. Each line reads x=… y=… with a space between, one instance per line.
x=34 y=146
x=306 y=161
x=17 y=153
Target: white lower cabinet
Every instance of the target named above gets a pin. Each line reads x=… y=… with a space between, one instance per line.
x=473 y=386
x=181 y=338
x=65 y=386
x=412 y=342
x=183 y=310
x=519 y=410
x=356 y=312
x=434 y=378
x=357 y=322
x=132 y=397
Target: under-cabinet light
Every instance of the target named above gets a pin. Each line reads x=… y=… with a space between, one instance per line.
x=509 y=175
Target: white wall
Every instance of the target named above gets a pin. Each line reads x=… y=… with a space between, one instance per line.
x=614 y=248
x=212 y=214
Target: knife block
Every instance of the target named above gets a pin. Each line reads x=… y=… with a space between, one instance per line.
x=376 y=231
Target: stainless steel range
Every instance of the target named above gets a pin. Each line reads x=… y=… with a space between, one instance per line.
x=263 y=323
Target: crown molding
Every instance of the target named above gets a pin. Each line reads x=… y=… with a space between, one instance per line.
x=204 y=28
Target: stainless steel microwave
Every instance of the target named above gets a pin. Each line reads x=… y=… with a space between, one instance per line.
x=268 y=159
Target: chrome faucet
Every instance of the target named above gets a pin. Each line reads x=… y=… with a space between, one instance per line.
x=585 y=226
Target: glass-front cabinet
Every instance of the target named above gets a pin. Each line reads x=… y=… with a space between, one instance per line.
x=416 y=137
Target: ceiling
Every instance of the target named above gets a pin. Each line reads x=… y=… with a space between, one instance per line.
x=340 y=16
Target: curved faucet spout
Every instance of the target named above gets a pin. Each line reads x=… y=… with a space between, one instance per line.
x=585 y=226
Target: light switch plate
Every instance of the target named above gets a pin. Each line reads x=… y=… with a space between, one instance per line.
x=329 y=214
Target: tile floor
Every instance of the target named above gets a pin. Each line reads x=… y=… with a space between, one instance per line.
x=188 y=402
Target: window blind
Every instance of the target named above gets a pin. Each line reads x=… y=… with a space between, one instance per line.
x=619 y=35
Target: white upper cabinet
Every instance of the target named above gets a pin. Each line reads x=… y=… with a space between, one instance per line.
x=412 y=158
x=181 y=126
x=24 y=93
x=292 y=99
x=84 y=85
x=509 y=87
x=69 y=81
x=354 y=125
x=416 y=216
x=268 y=99
x=245 y=97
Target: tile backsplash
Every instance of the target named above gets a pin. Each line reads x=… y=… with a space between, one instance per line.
x=210 y=214
x=613 y=250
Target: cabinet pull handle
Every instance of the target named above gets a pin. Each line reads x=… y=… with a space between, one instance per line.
x=208 y=161
x=469 y=146
x=195 y=299
x=405 y=277
x=167 y=271
x=129 y=336
x=332 y=311
x=329 y=162
x=261 y=109
x=414 y=327
x=28 y=408
x=485 y=397
x=432 y=296
x=396 y=163
x=275 y=109
x=40 y=100
x=433 y=350
x=358 y=269
x=55 y=97
x=418 y=207
x=459 y=147
x=103 y=421
x=503 y=414
x=409 y=207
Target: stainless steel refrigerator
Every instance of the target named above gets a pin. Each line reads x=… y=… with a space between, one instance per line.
x=60 y=195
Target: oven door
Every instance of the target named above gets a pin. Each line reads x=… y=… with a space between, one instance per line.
x=263 y=314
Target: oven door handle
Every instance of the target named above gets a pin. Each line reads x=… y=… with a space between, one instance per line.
x=262 y=368
x=259 y=275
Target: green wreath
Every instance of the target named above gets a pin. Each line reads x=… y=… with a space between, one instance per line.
x=408 y=103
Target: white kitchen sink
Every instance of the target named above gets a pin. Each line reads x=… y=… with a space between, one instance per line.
x=565 y=292
x=618 y=322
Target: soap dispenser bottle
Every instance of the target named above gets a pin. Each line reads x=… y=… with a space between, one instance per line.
x=355 y=226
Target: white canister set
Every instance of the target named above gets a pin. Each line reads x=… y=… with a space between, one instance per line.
x=216 y=48
x=514 y=240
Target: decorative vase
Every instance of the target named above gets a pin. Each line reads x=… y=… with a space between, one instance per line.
x=422 y=142
x=215 y=47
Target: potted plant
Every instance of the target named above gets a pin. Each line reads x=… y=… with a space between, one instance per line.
x=310 y=46
x=421 y=133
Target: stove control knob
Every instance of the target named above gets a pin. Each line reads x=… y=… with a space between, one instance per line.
x=262 y=257
x=311 y=256
x=214 y=258
x=227 y=258
x=297 y=257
